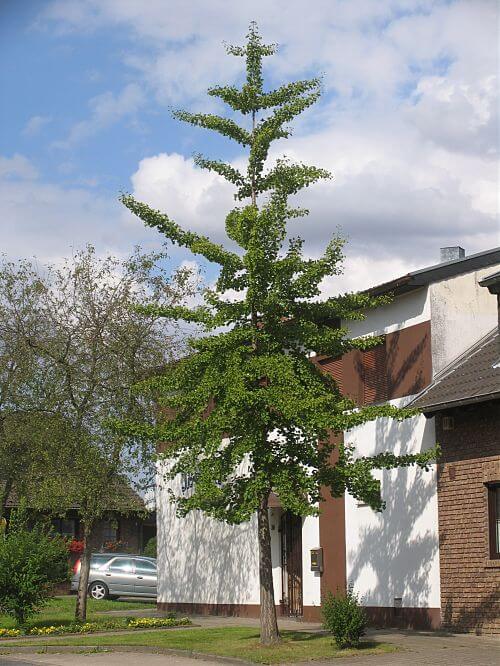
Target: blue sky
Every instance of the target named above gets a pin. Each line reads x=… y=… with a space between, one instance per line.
x=407 y=123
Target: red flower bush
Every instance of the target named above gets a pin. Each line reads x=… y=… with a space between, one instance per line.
x=114 y=546
x=76 y=546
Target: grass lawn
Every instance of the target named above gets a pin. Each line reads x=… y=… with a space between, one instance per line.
x=61 y=610
x=241 y=642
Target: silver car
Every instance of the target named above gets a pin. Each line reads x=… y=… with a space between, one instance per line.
x=115 y=575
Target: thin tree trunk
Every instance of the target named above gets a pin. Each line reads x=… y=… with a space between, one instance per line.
x=83 y=583
x=269 y=634
x=5 y=496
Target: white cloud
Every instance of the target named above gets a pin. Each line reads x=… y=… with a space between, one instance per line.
x=192 y=197
x=361 y=272
x=17 y=166
x=365 y=47
x=105 y=110
x=48 y=221
x=461 y=117
x=35 y=124
x=410 y=128
x=386 y=210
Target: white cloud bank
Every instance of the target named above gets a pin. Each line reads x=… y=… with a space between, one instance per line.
x=47 y=221
x=410 y=129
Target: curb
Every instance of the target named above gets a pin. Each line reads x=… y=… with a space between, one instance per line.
x=75 y=649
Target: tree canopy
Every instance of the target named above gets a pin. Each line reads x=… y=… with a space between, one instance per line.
x=248 y=407
x=72 y=344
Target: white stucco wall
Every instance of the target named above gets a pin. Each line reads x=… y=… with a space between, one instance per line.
x=395 y=553
x=311 y=580
x=403 y=311
x=201 y=560
x=462 y=312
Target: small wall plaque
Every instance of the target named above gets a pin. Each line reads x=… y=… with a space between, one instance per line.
x=317 y=559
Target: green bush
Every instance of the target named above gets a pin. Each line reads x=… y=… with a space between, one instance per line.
x=344 y=618
x=32 y=562
x=150 y=548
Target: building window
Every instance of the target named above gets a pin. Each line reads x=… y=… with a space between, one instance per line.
x=494 y=519
x=66 y=527
x=110 y=531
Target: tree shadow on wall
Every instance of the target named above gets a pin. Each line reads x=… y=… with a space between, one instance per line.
x=401 y=558
x=413 y=366
x=206 y=563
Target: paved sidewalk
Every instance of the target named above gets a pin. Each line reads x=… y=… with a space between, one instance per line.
x=432 y=649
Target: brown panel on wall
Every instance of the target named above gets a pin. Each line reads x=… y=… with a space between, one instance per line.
x=334 y=368
x=375 y=375
x=353 y=375
x=409 y=360
x=403 y=618
x=332 y=536
x=403 y=366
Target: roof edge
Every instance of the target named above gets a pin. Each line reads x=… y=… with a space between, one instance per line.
x=492 y=283
x=424 y=276
x=471 y=400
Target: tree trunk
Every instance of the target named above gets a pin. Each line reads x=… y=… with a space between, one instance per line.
x=5 y=496
x=83 y=583
x=269 y=634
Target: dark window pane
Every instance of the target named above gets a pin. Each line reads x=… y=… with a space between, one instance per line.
x=494 y=519
x=497 y=518
x=109 y=531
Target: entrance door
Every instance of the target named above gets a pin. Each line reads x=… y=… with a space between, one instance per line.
x=291 y=564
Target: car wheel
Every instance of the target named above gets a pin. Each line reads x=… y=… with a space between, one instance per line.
x=98 y=591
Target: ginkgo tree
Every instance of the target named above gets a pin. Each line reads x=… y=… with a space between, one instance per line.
x=250 y=414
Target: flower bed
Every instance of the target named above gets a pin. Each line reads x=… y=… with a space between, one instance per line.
x=91 y=627
x=153 y=622
x=86 y=628
x=9 y=633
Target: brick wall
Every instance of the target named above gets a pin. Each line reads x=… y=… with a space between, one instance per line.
x=470 y=581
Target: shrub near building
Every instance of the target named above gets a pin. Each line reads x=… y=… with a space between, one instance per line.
x=32 y=562
x=344 y=618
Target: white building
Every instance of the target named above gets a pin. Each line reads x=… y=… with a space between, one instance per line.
x=391 y=558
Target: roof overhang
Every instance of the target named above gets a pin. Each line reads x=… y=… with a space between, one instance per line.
x=423 y=277
x=430 y=410
x=492 y=283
